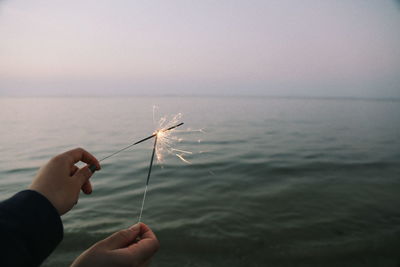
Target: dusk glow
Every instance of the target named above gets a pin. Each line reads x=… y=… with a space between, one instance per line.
x=288 y=48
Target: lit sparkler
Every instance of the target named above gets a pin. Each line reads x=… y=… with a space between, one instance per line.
x=163 y=144
x=156 y=133
x=163 y=136
x=166 y=140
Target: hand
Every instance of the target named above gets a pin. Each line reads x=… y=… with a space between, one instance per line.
x=60 y=180
x=122 y=249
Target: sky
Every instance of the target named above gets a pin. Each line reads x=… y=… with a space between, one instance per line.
x=337 y=48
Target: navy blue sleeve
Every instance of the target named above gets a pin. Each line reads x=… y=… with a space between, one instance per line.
x=30 y=229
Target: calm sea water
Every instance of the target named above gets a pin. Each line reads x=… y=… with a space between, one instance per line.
x=273 y=181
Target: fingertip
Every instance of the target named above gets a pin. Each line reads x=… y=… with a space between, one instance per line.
x=93 y=168
x=145 y=247
x=87 y=187
x=144 y=227
x=135 y=227
x=147 y=232
x=87 y=191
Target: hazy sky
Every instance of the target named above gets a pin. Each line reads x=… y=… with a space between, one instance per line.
x=277 y=47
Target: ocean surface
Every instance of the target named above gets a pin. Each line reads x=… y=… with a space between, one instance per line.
x=271 y=181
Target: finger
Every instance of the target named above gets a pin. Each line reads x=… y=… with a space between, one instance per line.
x=74 y=169
x=87 y=187
x=92 y=168
x=146 y=247
x=146 y=232
x=121 y=239
x=79 y=154
x=143 y=250
x=82 y=175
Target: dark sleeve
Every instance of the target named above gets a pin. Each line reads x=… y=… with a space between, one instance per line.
x=30 y=229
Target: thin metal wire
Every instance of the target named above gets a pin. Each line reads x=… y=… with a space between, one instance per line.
x=144 y=198
x=125 y=148
x=148 y=177
x=140 y=141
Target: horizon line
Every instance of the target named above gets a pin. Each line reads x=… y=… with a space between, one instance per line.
x=395 y=99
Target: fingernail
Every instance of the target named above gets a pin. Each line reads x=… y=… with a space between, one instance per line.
x=135 y=227
x=92 y=168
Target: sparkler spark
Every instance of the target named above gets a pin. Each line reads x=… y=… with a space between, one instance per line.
x=155 y=134
x=166 y=140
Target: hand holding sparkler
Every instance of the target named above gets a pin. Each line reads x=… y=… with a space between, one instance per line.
x=60 y=180
x=122 y=249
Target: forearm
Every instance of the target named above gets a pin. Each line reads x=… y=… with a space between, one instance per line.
x=30 y=229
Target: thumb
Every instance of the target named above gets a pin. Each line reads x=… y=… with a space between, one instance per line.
x=82 y=175
x=121 y=239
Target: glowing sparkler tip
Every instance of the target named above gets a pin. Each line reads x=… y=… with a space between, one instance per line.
x=160 y=134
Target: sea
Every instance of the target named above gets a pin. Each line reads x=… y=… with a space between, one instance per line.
x=269 y=181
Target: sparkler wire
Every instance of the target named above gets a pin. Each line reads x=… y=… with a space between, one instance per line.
x=93 y=167
x=148 y=178
x=151 y=161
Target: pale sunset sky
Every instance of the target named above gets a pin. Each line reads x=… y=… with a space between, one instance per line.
x=346 y=48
